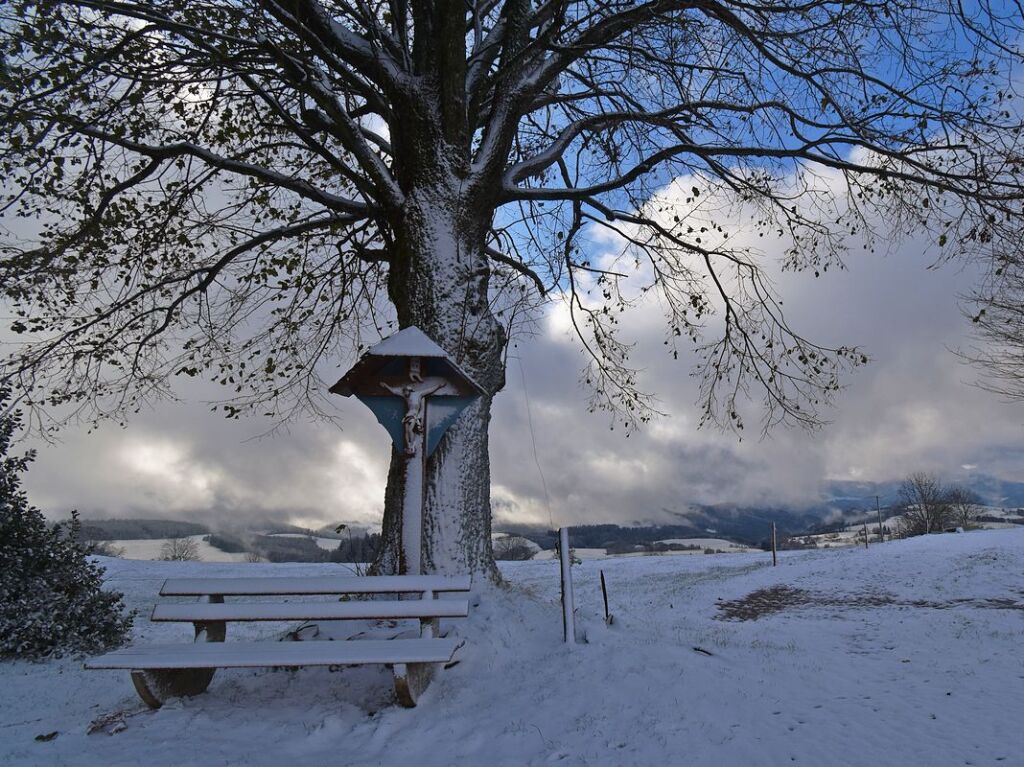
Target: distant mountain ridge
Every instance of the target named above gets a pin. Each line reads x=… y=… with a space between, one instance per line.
x=843 y=502
x=139 y=529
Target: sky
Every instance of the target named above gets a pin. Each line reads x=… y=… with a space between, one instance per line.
x=913 y=408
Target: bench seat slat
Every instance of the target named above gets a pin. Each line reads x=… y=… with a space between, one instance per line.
x=311 y=611
x=381 y=584
x=286 y=654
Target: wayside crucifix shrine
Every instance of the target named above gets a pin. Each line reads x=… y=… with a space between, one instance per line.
x=416 y=391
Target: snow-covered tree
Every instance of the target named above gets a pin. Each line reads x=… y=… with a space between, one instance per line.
x=247 y=189
x=51 y=596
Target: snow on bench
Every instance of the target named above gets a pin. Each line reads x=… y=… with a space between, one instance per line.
x=207 y=655
x=310 y=611
x=377 y=584
x=167 y=670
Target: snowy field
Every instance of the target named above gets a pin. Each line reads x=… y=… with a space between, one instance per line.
x=909 y=654
x=150 y=548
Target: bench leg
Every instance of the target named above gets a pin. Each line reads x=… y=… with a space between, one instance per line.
x=430 y=628
x=212 y=631
x=155 y=686
x=411 y=679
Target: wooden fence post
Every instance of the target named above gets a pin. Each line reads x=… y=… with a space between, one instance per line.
x=608 y=618
x=568 y=608
x=775 y=559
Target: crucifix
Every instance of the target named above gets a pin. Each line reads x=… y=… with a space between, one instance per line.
x=416 y=391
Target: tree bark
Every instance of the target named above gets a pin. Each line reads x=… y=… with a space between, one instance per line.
x=439 y=282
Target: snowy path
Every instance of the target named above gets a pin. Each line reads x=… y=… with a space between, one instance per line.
x=821 y=682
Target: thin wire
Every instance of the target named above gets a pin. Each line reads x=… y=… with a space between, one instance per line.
x=533 y=440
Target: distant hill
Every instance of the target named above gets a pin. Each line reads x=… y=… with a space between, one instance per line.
x=992 y=491
x=996 y=492
x=139 y=529
x=842 y=503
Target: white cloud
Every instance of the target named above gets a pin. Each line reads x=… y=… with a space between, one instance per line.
x=909 y=409
x=164 y=471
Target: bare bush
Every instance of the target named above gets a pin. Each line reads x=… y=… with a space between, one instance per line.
x=512 y=548
x=180 y=550
x=103 y=549
x=965 y=506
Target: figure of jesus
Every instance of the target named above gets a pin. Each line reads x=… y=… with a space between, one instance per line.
x=414 y=393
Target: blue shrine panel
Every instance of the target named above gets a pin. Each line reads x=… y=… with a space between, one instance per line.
x=442 y=412
x=389 y=412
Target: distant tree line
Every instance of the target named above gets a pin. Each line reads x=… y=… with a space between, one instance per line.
x=152 y=529
x=654 y=547
x=1018 y=520
x=138 y=529
x=607 y=535
x=228 y=543
x=357 y=548
x=277 y=548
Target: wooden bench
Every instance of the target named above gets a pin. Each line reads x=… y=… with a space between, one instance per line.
x=161 y=671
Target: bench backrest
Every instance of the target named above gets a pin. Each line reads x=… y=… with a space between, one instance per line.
x=378 y=584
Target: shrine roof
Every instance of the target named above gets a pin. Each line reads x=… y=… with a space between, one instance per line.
x=408 y=342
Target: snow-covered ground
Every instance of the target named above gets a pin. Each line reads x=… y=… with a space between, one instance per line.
x=908 y=654
x=151 y=548
x=853 y=534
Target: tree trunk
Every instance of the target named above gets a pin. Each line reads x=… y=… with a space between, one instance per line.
x=439 y=282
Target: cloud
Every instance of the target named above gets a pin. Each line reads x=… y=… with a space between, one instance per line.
x=910 y=409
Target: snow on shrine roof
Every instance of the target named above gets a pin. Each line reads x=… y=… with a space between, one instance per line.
x=409 y=342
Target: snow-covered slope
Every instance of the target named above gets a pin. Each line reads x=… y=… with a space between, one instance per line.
x=907 y=654
x=151 y=548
